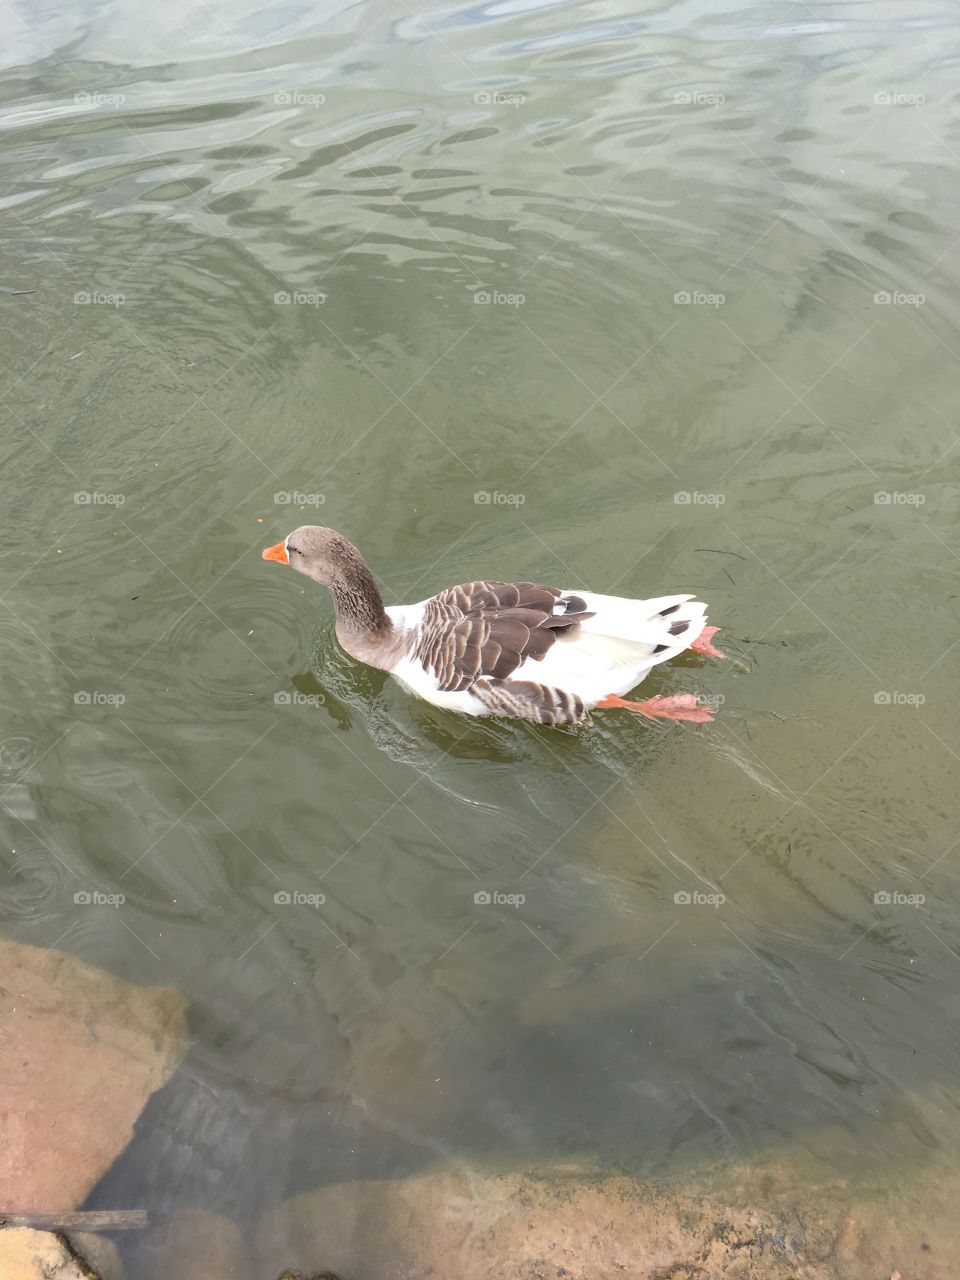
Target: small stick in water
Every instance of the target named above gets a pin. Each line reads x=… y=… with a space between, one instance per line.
x=91 y=1220
x=713 y=551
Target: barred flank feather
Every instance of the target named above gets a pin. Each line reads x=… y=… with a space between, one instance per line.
x=527 y=700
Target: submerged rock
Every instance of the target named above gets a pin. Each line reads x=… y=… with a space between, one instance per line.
x=99 y=1253
x=194 y=1245
x=82 y=1053
x=511 y=1227
x=569 y=1225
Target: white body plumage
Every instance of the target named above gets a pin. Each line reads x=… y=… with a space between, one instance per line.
x=610 y=653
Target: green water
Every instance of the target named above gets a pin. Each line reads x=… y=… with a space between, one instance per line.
x=179 y=726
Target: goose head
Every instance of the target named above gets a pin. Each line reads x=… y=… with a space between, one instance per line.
x=322 y=554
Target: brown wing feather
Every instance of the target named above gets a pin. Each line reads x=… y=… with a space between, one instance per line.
x=486 y=630
x=527 y=700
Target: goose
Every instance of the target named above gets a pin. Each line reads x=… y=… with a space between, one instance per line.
x=515 y=649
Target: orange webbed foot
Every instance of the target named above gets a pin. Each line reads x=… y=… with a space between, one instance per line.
x=679 y=706
x=702 y=643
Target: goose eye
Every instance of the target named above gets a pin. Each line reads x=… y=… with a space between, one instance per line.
x=296 y=550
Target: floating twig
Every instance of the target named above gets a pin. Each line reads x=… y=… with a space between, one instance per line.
x=714 y=551
x=91 y=1220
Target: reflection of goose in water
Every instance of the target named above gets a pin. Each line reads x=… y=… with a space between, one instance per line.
x=511 y=649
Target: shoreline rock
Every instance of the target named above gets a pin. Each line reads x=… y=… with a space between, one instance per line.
x=26 y=1254
x=571 y=1225
x=82 y=1053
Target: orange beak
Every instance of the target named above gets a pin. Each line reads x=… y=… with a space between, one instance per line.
x=277 y=552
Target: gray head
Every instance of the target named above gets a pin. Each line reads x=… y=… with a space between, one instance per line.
x=322 y=554
x=331 y=559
